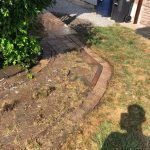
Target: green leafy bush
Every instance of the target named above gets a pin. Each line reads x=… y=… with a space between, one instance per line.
x=16 y=45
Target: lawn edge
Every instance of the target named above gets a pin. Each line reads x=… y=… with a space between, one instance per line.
x=99 y=89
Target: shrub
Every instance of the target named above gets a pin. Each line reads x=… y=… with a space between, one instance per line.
x=16 y=45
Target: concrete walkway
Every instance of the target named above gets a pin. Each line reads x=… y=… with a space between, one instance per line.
x=82 y=11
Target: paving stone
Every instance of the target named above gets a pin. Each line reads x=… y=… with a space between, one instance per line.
x=64 y=48
x=11 y=70
x=79 y=43
x=2 y=75
x=71 y=45
x=51 y=36
x=75 y=39
x=52 y=42
x=65 y=40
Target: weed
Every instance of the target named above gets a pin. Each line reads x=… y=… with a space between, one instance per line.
x=29 y=75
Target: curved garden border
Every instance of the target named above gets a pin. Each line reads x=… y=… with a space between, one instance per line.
x=101 y=80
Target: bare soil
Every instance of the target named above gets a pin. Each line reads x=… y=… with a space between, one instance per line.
x=29 y=107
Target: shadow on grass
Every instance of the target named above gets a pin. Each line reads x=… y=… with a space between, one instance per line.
x=145 y=32
x=133 y=139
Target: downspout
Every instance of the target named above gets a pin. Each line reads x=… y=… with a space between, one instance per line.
x=138 y=10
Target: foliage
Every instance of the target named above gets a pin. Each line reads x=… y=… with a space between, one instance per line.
x=29 y=75
x=16 y=45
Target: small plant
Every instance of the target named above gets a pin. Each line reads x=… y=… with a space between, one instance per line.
x=29 y=75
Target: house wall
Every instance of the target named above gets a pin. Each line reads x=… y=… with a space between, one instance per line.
x=145 y=13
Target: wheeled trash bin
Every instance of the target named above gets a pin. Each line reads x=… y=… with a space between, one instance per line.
x=121 y=10
x=104 y=7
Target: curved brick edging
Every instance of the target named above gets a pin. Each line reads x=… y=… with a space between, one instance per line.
x=98 y=91
x=79 y=114
x=42 y=64
x=76 y=116
x=9 y=71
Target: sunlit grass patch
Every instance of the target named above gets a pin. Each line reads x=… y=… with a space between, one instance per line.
x=131 y=81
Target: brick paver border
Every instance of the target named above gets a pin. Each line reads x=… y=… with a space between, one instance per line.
x=93 y=99
x=98 y=91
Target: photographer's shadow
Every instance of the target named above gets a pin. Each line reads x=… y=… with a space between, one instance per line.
x=133 y=139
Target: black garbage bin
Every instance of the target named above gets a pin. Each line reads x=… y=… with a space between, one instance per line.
x=121 y=10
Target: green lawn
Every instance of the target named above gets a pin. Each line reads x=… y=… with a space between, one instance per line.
x=130 y=85
x=117 y=123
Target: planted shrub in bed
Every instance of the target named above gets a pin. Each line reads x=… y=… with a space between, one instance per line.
x=16 y=45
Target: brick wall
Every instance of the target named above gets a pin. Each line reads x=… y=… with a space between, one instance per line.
x=145 y=15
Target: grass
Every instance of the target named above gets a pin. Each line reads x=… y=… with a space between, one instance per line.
x=130 y=85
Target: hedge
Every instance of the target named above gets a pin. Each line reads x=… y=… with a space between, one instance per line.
x=16 y=17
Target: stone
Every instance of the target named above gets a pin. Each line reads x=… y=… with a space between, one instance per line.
x=2 y=75
x=12 y=70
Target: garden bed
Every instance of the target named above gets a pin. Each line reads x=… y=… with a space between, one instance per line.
x=28 y=107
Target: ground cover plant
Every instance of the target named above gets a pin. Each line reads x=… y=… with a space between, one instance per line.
x=16 y=45
x=129 y=88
